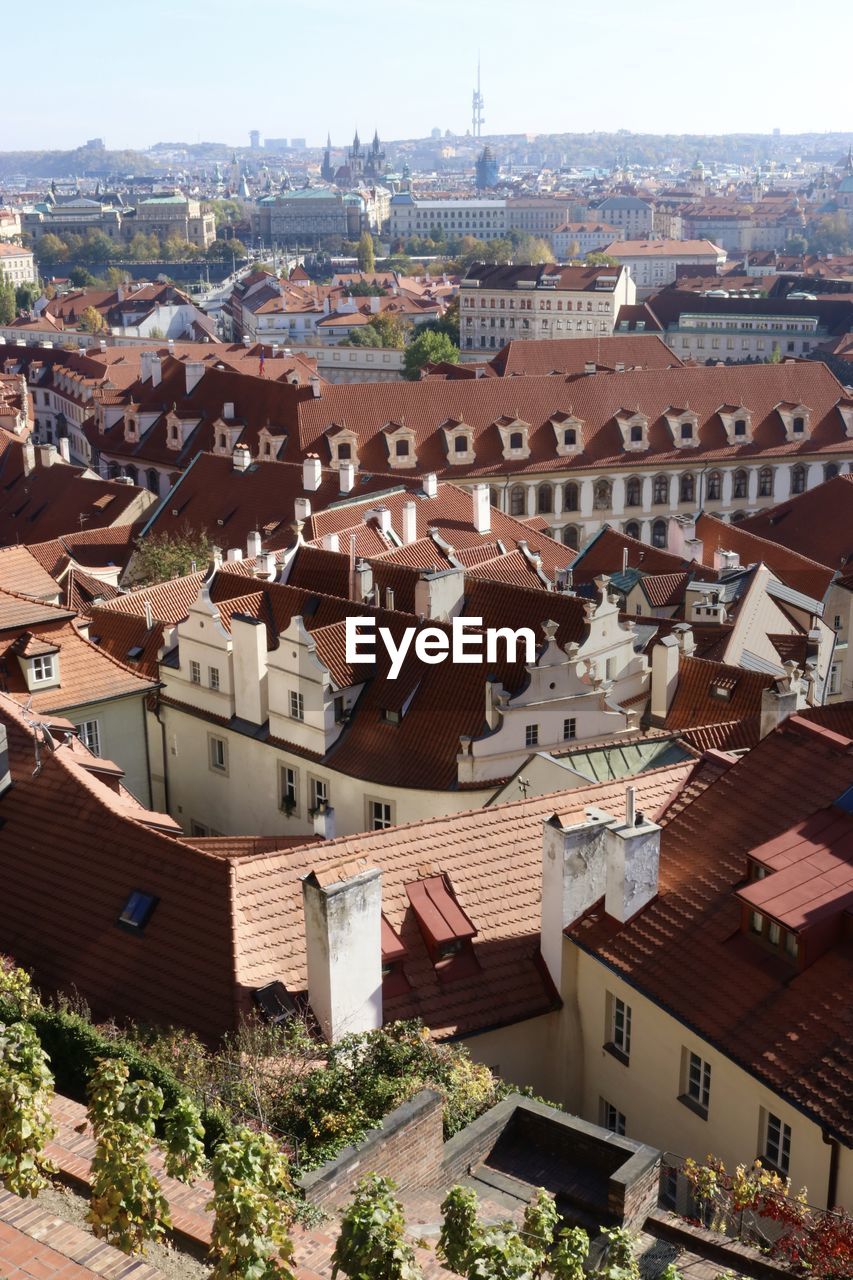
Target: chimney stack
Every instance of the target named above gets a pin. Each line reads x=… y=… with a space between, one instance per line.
x=253 y=544
x=482 y=508
x=156 y=370
x=312 y=473
x=241 y=457
x=64 y=449
x=589 y=366
x=302 y=509
x=265 y=565
x=382 y=516
x=314 y=384
x=410 y=522
x=343 y=935
x=234 y=553
x=346 y=477
x=29 y=457
x=193 y=372
x=249 y=652
x=665 y=655
x=46 y=455
x=331 y=542
x=430 y=484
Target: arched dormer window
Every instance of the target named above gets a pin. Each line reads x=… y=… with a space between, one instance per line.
x=795 y=420
x=514 y=437
x=634 y=427
x=400 y=443
x=458 y=442
x=737 y=423
x=343 y=446
x=568 y=434
x=684 y=427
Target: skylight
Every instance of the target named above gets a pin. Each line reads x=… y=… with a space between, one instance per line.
x=137 y=910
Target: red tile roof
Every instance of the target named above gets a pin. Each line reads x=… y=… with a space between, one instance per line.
x=816 y=523
x=805 y=575
x=685 y=951
x=571 y=355
x=605 y=555
x=52 y=501
x=694 y=703
x=810 y=872
x=21 y=571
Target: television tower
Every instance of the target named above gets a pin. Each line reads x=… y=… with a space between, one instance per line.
x=477 y=107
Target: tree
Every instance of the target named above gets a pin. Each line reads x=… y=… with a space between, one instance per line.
x=448 y=323
x=26 y=1127
x=252 y=1207
x=531 y=249
x=26 y=296
x=390 y=330
x=127 y=1206
x=222 y=249
x=169 y=555
x=50 y=250
x=8 y=310
x=372 y=1243
x=98 y=247
x=139 y=248
x=601 y=260
x=116 y=277
x=366 y=253
x=184 y=1141
x=81 y=278
x=428 y=348
x=92 y=321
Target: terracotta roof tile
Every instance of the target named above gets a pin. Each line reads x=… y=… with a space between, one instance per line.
x=695 y=703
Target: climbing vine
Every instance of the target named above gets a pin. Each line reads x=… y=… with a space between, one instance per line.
x=372 y=1243
x=26 y=1127
x=251 y=1209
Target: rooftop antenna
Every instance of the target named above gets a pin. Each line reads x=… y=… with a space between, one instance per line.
x=477 y=106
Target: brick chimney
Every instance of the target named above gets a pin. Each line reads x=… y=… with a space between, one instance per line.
x=482 y=515
x=343 y=936
x=665 y=655
x=312 y=473
x=600 y=857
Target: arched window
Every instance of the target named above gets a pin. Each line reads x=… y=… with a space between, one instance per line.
x=830 y=471
x=570 y=436
x=544 y=499
x=460 y=444
x=659 y=533
x=632 y=529
x=740 y=484
x=737 y=516
x=798 y=480
x=131 y=472
x=715 y=486
x=632 y=491
x=570 y=497
x=494 y=498
x=516 y=440
x=660 y=490
x=222 y=440
x=113 y=470
x=765 y=482
x=152 y=479
x=687 y=487
x=344 y=452
x=570 y=536
x=602 y=495
x=517 y=501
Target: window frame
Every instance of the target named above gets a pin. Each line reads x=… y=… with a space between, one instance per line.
x=531 y=735
x=43 y=668
x=297 y=705
x=83 y=732
x=195 y=671
x=317 y=784
x=695 y=1083
x=213 y=680
x=285 y=784
x=618 y=1028
x=611 y=1118
x=775 y=1151
x=381 y=821
x=213 y=741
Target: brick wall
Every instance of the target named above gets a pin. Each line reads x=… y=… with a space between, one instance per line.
x=406 y=1146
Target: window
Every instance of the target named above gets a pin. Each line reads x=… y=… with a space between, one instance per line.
x=218 y=754
x=619 y=1028
x=696 y=1082
x=798 y=480
x=686 y=488
x=460 y=444
x=799 y=426
x=601 y=499
x=516 y=501
x=319 y=793
x=137 y=910
x=661 y=490
x=610 y=1118
x=531 y=735
x=765 y=482
x=297 y=705
x=571 y=537
x=213 y=677
x=659 y=533
x=830 y=471
x=195 y=672
x=570 y=497
x=90 y=734
x=570 y=729
x=344 y=452
x=544 y=499
x=777 y=1143
x=288 y=785
x=715 y=485
x=632 y=529
x=378 y=815
x=632 y=492
x=636 y=435
x=570 y=436
x=401 y=448
x=740 y=484
x=740 y=423
x=43 y=669
x=834 y=682
x=516 y=440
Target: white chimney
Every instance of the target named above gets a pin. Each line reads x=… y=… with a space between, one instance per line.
x=253 y=544
x=312 y=473
x=589 y=366
x=482 y=508
x=346 y=476
x=728 y=560
x=194 y=371
x=29 y=457
x=170 y=346
x=234 y=553
x=156 y=370
x=241 y=457
x=302 y=509
x=598 y=857
x=46 y=455
x=247 y=341
x=144 y=365
x=249 y=651
x=410 y=522
x=382 y=516
x=665 y=655
x=149 y=614
x=314 y=384
x=343 y=936
x=227 y=410
x=331 y=542
x=430 y=484
x=265 y=565
x=64 y=449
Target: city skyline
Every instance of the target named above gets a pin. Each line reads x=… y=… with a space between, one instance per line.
x=583 y=78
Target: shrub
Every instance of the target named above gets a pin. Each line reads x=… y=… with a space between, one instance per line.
x=567 y=1260
x=372 y=1243
x=26 y=1090
x=460 y=1229
x=252 y=1208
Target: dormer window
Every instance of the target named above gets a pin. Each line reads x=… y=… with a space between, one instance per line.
x=394 y=981
x=635 y=429
x=459 y=442
x=445 y=927
x=400 y=443
x=684 y=427
x=343 y=446
x=795 y=420
x=737 y=423
x=131 y=429
x=568 y=433
x=345 y=451
x=514 y=436
x=43 y=669
x=516 y=440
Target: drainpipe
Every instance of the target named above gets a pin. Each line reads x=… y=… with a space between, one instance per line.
x=832 y=1181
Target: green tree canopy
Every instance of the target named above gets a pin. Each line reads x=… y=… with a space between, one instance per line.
x=8 y=310
x=92 y=321
x=169 y=555
x=366 y=252
x=428 y=348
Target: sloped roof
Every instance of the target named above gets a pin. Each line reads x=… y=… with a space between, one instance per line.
x=805 y=575
x=694 y=703
x=817 y=524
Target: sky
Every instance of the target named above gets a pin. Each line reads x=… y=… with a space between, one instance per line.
x=146 y=71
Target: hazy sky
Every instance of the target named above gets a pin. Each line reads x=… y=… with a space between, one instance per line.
x=138 y=72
